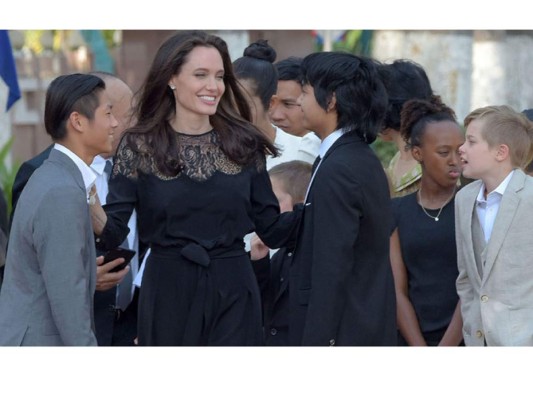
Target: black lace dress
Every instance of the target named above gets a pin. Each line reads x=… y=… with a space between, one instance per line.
x=198 y=286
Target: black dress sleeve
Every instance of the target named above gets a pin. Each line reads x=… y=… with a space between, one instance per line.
x=396 y=204
x=121 y=198
x=275 y=230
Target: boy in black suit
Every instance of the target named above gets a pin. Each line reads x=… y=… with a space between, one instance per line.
x=341 y=285
x=289 y=183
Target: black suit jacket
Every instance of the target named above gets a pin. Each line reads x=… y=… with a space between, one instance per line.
x=273 y=279
x=341 y=284
x=104 y=301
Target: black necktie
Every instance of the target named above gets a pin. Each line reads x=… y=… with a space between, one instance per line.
x=315 y=164
x=108 y=168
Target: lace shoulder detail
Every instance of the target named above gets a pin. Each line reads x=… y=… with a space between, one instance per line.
x=132 y=158
x=200 y=156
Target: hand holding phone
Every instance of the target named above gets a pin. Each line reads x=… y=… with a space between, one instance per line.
x=119 y=252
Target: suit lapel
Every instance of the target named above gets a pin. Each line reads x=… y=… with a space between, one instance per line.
x=346 y=138
x=68 y=165
x=470 y=204
x=504 y=218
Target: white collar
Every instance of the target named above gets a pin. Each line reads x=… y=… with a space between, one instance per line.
x=328 y=142
x=87 y=173
x=98 y=164
x=500 y=189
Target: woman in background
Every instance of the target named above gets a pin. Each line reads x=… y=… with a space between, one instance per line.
x=259 y=77
x=404 y=80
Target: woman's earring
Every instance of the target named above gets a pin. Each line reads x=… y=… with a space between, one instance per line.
x=172 y=87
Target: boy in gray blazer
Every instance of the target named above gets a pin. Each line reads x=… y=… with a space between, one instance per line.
x=47 y=295
x=493 y=220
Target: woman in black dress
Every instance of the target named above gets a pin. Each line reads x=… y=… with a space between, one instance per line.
x=422 y=249
x=194 y=168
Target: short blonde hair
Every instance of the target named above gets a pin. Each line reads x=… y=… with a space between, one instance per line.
x=503 y=125
x=294 y=177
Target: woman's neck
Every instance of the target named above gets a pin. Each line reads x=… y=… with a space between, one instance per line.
x=191 y=126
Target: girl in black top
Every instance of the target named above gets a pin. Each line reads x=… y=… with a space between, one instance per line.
x=422 y=245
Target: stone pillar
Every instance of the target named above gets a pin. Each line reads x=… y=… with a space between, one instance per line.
x=488 y=69
x=519 y=67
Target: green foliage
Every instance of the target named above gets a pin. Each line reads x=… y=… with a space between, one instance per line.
x=354 y=41
x=7 y=173
x=384 y=150
x=109 y=37
x=37 y=40
x=32 y=40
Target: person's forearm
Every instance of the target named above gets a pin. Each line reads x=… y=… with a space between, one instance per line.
x=408 y=323
x=454 y=334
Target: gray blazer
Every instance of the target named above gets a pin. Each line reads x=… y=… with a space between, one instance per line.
x=50 y=277
x=497 y=304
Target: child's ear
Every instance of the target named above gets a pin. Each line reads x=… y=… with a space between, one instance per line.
x=503 y=152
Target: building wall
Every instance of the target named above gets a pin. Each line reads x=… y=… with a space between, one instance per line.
x=134 y=56
x=34 y=75
x=446 y=57
x=469 y=69
x=138 y=48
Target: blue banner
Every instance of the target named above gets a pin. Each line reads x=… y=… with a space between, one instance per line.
x=8 y=71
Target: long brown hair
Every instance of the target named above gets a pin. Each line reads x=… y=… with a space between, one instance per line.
x=239 y=139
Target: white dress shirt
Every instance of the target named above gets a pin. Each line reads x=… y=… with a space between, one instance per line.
x=323 y=149
x=310 y=146
x=487 y=209
x=292 y=148
x=88 y=175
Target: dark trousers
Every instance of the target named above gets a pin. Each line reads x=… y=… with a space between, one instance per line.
x=115 y=327
x=125 y=325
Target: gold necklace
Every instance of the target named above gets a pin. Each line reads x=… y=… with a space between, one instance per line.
x=436 y=218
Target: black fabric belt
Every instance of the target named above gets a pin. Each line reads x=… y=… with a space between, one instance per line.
x=197 y=253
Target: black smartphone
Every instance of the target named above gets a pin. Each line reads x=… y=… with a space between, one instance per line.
x=119 y=252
